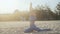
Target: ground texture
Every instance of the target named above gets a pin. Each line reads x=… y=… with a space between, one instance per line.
x=18 y=27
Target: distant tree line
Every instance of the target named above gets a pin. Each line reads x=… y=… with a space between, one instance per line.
x=45 y=13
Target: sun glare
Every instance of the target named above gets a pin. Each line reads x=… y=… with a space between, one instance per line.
x=9 y=6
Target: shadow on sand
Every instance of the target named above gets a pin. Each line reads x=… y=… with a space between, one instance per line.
x=41 y=30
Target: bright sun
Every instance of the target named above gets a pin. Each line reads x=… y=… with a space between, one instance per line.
x=8 y=6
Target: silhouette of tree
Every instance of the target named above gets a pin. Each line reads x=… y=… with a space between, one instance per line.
x=44 y=13
x=58 y=11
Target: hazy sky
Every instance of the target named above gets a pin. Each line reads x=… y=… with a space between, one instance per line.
x=8 y=6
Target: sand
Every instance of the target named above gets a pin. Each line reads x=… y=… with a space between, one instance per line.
x=18 y=27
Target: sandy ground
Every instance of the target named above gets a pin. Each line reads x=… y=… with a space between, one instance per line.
x=18 y=27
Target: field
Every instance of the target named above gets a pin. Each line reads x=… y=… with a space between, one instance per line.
x=18 y=27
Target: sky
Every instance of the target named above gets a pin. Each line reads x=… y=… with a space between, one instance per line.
x=9 y=6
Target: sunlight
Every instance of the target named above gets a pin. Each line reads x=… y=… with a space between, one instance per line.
x=9 y=6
